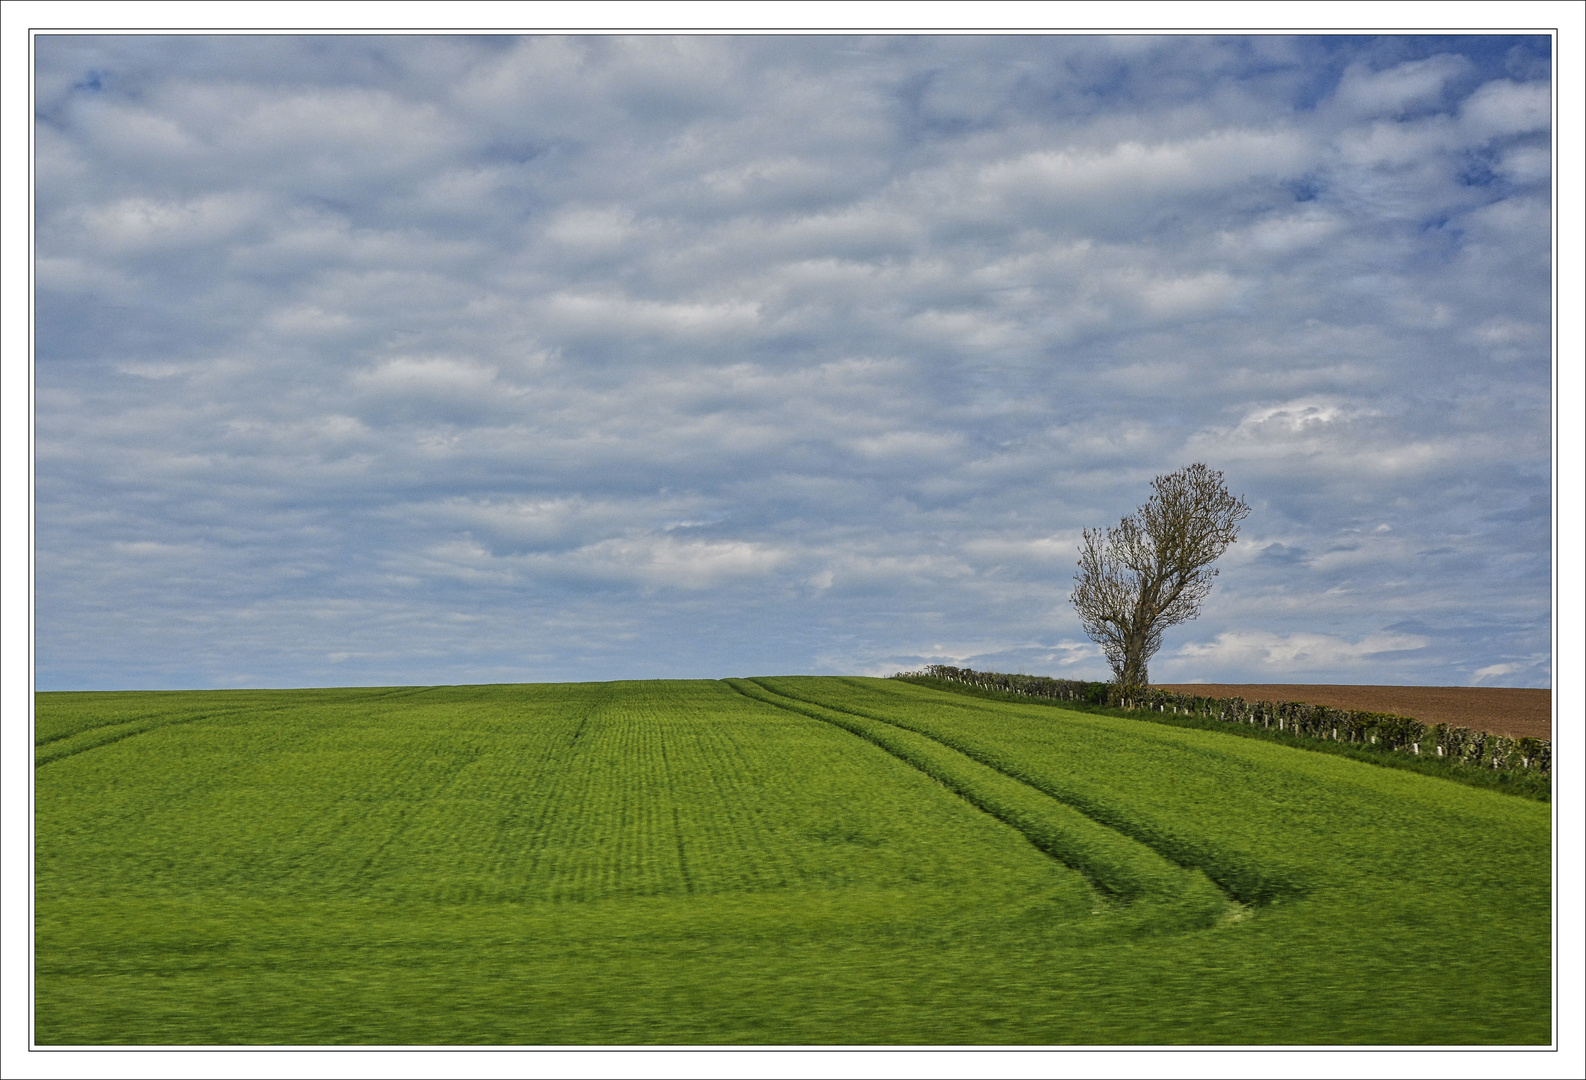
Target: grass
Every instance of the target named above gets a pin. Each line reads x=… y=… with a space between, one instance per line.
x=1525 y=784
x=769 y=861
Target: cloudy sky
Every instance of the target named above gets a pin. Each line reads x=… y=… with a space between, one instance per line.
x=367 y=360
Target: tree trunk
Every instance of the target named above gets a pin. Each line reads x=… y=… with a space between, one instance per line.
x=1134 y=660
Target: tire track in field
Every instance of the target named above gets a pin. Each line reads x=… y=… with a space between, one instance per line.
x=1114 y=864
x=92 y=738
x=104 y=735
x=1250 y=886
x=1252 y=882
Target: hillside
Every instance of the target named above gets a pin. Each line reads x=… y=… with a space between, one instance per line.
x=767 y=861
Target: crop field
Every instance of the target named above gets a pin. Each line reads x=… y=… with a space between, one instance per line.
x=768 y=861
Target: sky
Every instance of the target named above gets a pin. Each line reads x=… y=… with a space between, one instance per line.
x=415 y=360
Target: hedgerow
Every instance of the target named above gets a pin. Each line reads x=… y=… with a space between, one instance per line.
x=1384 y=730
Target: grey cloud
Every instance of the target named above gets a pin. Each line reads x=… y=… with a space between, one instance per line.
x=428 y=359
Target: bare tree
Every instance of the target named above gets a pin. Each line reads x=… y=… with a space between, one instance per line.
x=1154 y=569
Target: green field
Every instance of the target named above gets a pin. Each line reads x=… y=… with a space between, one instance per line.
x=769 y=861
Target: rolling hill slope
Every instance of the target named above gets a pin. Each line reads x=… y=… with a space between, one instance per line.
x=767 y=861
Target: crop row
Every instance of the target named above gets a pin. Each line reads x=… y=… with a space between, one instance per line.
x=465 y=795
x=1108 y=769
x=677 y=864
x=1116 y=863
x=1305 y=823
x=1296 y=717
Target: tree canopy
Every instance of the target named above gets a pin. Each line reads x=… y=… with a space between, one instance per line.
x=1154 y=568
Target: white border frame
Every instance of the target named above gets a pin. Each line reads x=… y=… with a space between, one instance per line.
x=20 y=17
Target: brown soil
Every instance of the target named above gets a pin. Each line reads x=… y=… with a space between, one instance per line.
x=1502 y=710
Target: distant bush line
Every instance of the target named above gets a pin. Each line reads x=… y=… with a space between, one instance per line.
x=1308 y=723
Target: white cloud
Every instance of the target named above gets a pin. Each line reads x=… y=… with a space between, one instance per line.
x=310 y=320
x=1417 y=84
x=1293 y=653
x=140 y=224
x=1527 y=164
x=591 y=229
x=912 y=445
x=1285 y=232
x=1135 y=169
x=1189 y=295
x=611 y=313
x=1063 y=548
x=1503 y=107
x=556 y=357
x=128 y=131
x=422 y=376
x=678 y=563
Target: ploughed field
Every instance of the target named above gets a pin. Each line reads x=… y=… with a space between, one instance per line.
x=1518 y=712
x=767 y=861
